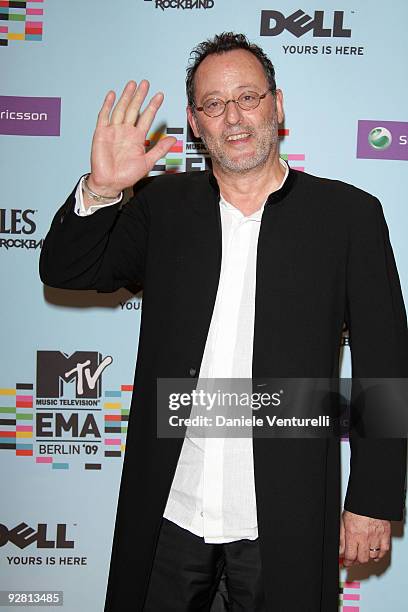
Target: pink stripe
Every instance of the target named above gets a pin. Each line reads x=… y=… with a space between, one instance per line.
x=24 y=428
x=34 y=11
x=3 y=29
x=351 y=585
x=299 y=168
x=34 y=24
x=351 y=596
x=43 y=459
x=31 y=1
x=113 y=441
x=351 y=608
x=296 y=156
x=23 y=398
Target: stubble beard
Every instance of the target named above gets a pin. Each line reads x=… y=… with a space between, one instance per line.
x=266 y=138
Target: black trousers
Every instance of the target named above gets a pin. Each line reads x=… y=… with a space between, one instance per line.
x=189 y=575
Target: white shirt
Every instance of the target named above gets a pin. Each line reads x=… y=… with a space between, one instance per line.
x=213 y=490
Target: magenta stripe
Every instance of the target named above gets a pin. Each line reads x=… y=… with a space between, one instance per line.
x=352 y=596
x=351 y=608
x=3 y=29
x=31 y=1
x=24 y=428
x=43 y=459
x=299 y=168
x=34 y=11
x=34 y=24
x=351 y=585
x=23 y=398
x=113 y=441
x=296 y=156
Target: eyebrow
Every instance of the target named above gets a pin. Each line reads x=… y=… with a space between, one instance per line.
x=217 y=91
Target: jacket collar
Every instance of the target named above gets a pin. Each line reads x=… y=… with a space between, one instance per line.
x=275 y=197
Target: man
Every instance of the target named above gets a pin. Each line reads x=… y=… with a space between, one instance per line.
x=263 y=266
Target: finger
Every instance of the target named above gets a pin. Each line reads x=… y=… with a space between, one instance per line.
x=385 y=544
x=350 y=551
x=160 y=150
x=103 y=115
x=136 y=102
x=363 y=552
x=120 y=108
x=374 y=550
x=146 y=118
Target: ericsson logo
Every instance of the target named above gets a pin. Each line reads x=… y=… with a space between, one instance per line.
x=380 y=138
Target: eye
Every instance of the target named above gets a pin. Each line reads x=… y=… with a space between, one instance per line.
x=248 y=96
x=212 y=104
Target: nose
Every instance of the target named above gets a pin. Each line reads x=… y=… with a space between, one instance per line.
x=232 y=113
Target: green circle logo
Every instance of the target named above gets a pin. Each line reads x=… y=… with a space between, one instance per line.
x=380 y=138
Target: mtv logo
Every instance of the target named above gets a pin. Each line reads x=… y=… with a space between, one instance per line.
x=84 y=368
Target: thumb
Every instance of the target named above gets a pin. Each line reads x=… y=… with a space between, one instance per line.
x=160 y=150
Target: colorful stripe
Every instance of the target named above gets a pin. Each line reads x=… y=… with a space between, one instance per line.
x=60 y=466
x=113 y=453
x=113 y=393
x=296 y=156
x=24 y=417
x=24 y=434
x=113 y=417
x=93 y=466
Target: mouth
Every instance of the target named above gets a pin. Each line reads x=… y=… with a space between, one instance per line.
x=242 y=137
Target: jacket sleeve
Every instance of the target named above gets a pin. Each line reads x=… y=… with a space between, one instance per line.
x=103 y=251
x=377 y=322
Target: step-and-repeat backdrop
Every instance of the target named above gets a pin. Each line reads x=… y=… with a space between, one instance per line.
x=68 y=357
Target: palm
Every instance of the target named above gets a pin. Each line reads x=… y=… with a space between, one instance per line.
x=118 y=157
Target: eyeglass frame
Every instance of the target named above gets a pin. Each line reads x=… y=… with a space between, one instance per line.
x=261 y=97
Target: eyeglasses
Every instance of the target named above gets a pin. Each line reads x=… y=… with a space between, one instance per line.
x=214 y=107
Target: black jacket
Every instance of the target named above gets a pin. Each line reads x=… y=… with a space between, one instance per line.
x=324 y=258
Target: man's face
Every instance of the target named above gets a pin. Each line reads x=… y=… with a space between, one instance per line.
x=227 y=76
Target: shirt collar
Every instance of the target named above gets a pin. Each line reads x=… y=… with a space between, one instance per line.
x=256 y=216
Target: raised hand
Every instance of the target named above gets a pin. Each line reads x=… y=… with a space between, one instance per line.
x=118 y=157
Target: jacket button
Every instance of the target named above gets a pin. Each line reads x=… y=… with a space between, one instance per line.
x=192 y=371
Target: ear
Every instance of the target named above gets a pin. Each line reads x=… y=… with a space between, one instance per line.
x=193 y=122
x=279 y=106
